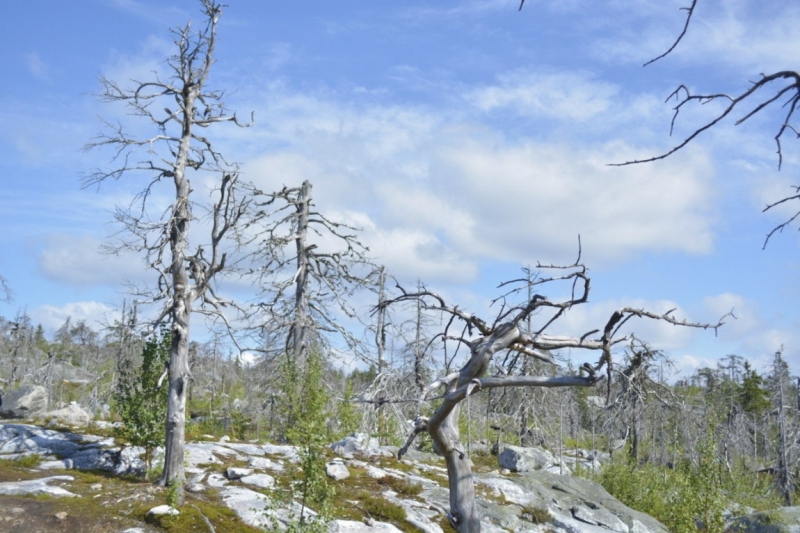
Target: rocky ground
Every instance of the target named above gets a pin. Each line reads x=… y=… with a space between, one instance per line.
x=53 y=479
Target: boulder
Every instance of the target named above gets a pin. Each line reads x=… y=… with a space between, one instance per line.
x=237 y=473
x=518 y=459
x=358 y=444
x=162 y=510
x=24 y=402
x=336 y=470
x=72 y=415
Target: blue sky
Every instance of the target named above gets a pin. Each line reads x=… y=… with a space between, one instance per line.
x=468 y=139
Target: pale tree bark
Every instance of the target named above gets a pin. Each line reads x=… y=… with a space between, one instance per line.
x=184 y=278
x=505 y=332
x=5 y=292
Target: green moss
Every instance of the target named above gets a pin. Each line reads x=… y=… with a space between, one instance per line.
x=379 y=508
x=191 y=519
x=401 y=486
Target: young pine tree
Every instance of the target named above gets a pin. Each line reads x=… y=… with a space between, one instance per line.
x=139 y=401
x=309 y=432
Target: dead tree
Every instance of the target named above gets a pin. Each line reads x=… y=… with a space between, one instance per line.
x=484 y=339
x=178 y=108
x=308 y=267
x=5 y=292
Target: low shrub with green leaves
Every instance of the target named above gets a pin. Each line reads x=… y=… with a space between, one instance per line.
x=380 y=509
x=140 y=400
x=689 y=494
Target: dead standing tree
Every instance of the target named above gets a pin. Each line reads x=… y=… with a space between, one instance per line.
x=506 y=332
x=305 y=289
x=178 y=108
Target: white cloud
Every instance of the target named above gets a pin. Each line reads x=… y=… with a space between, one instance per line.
x=53 y=317
x=433 y=183
x=746 y=320
x=78 y=261
x=37 y=67
x=734 y=34
x=688 y=364
x=558 y=95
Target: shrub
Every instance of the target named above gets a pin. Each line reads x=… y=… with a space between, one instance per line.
x=140 y=401
x=377 y=507
x=401 y=485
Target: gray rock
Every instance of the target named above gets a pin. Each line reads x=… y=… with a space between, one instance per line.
x=279 y=449
x=263 y=481
x=262 y=463
x=195 y=487
x=35 y=487
x=337 y=470
x=350 y=526
x=72 y=415
x=359 y=444
x=376 y=473
x=518 y=459
x=162 y=510
x=251 y=506
x=216 y=480
x=236 y=473
x=201 y=454
x=574 y=502
x=247 y=449
x=23 y=438
x=24 y=402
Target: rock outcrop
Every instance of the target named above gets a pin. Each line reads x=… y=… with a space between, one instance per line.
x=24 y=402
x=528 y=499
x=72 y=415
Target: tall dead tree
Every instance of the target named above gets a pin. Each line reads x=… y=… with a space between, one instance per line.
x=308 y=266
x=506 y=332
x=177 y=107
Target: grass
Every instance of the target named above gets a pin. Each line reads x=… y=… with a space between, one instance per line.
x=29 y=461
x=381 y=509
x=401 y=485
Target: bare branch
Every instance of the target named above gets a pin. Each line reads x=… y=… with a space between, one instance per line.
x=689 y=12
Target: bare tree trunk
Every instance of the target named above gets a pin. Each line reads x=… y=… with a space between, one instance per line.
x=785 y=474
x=300 y=326
x=380 y=343
x=418 y=349
x=174 y=473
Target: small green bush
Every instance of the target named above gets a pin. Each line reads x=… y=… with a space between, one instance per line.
x=377 y=507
